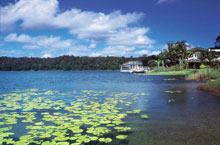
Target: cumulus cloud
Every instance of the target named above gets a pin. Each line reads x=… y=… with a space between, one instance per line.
x=33 y=14
x=114 y=51
x=133 y=37
x=155 y=53
x=117 y=30
x=141 y=52
x=45 y=13
x=14 y=38
x=46 y=55
x=39 y=42
x=48 y=45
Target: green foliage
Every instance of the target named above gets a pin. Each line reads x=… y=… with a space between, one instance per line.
x=63 y=63
x=202 y=66
x=144 y=116
x=213 y=84
x=182 y=72
x=152 y=63
x=204 y=74
x=217 y=42
x=167 y=69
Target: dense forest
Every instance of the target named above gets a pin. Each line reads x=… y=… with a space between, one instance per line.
x=63 y=63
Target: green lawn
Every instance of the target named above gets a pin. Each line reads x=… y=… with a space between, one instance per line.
x=181 y=72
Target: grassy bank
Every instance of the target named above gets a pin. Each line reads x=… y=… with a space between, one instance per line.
x=211 y=76
x=213 y=84
x=212 y=87
x=175 y=70
x=180 y=72
x=204 y=75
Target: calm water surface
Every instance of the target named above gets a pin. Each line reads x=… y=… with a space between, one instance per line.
x=192 y=119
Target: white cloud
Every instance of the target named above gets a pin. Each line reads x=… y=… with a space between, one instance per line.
x=87 y=24
x=46 y=55
x=45 y=14
x=32 y=13
x=165 y=46
x=164 y=1
x=92 y=45
x=141 y=52
x=155 y=53
x=39 y=42
x=11 y=53
x=114 y=51
x=133 y=37
x=54 y=46
x=117 y=30
x=14 y=38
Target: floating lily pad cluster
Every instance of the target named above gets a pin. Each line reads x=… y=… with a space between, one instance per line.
x=170 y=100
x=50 y=117
x=170 y=79
x=172 y=92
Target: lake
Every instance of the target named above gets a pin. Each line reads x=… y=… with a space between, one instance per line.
x=179 y=114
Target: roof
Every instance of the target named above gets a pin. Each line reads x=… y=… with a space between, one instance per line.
x=133 y=63
x=199 y=49
x=215 y=47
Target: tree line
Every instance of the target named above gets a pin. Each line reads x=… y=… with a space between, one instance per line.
x=62 y=63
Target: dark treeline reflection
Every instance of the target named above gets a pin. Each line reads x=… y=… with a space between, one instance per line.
x=63 y=63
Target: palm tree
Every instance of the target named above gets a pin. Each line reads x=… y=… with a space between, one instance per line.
x=177 y=51
x=189 y=53
x=163 y=56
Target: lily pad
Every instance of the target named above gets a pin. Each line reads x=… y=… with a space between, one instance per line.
x=121 y=136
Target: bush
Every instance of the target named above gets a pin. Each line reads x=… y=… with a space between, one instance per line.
x=166 y=69
x=202 y=66
x=213 y=84
x=205 y=74
x=152 y=63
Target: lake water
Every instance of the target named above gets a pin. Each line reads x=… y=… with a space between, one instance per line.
x=190 y=117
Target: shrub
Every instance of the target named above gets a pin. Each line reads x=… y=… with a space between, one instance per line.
x=152 y=63
x=202 y=66
x=204 y=74
x=213 y=84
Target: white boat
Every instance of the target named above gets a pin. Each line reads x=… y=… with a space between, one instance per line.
x=134 y=67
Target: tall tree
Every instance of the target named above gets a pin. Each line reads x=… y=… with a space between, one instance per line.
x=163 y=56
x=217 y=42
x=177 y=51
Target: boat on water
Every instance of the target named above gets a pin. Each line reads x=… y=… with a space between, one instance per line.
x=134 y=67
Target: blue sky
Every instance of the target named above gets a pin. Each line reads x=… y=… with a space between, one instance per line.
x=50 y=28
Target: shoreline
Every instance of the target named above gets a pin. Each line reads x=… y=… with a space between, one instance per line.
x=212 y=87
x=213 y=91
x=172 y=73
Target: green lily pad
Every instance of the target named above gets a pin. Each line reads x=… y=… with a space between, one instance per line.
x=144 y=116
x=105 y=140
x=121 y=136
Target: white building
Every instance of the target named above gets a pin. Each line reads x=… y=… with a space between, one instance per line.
x=216 y=50
x=194 y=61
